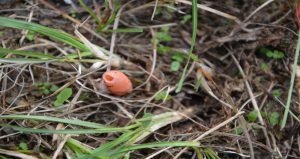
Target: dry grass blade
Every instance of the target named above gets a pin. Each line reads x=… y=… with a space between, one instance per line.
x=212 y=130
x=93 y=48
x=163 y=120
x=16 y=154
x=258 y=9
x=253 y=100
x=200 y=6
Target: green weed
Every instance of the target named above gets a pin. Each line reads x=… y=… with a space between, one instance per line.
x=273 y=54
x=63 y=96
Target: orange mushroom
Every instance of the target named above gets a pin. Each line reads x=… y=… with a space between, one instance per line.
x=117 y=82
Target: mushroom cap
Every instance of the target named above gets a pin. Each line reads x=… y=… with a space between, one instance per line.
x=117 y=82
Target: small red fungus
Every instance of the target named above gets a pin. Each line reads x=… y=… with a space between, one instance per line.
x=117 y=82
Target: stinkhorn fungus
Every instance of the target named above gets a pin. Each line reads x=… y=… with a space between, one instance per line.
x=117 y=82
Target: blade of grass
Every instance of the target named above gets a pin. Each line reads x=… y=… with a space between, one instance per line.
x=54 y=119
x=22 y=61
x=194 y=34
x=86 y=8
x=106 y=148
x=75 y=55
x=24 y=53
x=67 y=131
x=156 y=145
x=288 y=102
x=198 y=152
x=53 y=33
x=74 y=143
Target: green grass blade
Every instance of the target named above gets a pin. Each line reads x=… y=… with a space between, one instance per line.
x=53 y=33
x=75 y=55
x=67 y=131
x=54 y=119
x=290 y=93
x=74 y=143
x=194 y=34
x=86 y=8
x=24 y=53
x=106 y=149
x=156 y=145
x=198 y=152
x=23 y=61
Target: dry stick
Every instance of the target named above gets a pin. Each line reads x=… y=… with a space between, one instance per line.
x=258 y=9
x=200 y=6
x=158 y=152
x=153 y=61
x=200 y=137
x=77 y=22
x=74 y=100
x=26 y=31
x=211 y=130
x=126 y=112
x=298 y=141
x=60 y=146
x=16 y=154
x=153 y=13
x=243 y=123
x=266 y=96
x=253 y=100
x=113 y=38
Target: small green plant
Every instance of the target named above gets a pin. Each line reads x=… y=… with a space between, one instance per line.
x=264 y=67
x=63 y=96
x=274 y=118
x=252 y=116
x=165 y=11
x=84 y=96
x=23 y=146
x=46 y=88
x=273 y=54
x=177 y=59
x=163 y=36
x=238 y=131
x=162 y=95
x=185 y=19
x=277 y=93
x=30 y=35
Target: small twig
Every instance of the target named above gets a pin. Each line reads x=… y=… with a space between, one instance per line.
x=60 y=146
x=153 y=60
x=16 y=154
x=253 y=100
x=266 y=96
x=26 y=31
x=243 y=123
x=200 y=6
x=154 y=11
x=258 y=9
x=126 y=112
x=211 y=130
x=113 y=38
x=74 y=100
